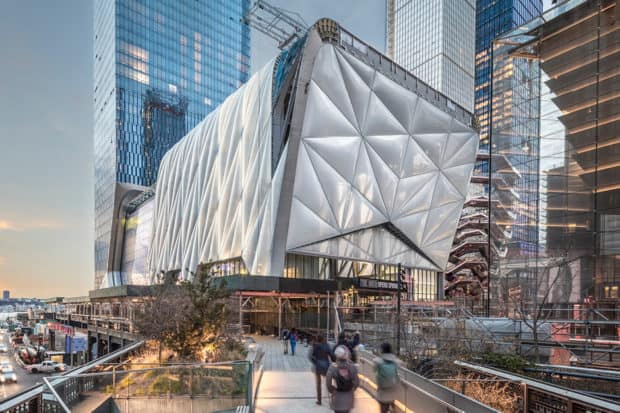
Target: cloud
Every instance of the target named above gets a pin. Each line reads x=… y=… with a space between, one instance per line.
x=6 y=225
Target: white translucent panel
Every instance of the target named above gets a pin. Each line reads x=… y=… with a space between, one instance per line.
x=412 y=226
x=398 y=100
x=329 y=79
x=380 y=121
x=391 y=148
x=437 y=251
x=335 y=187
x=306 y=227
x=335 y=149
x=360 y=213
x=440 y=223
x=357 y=89
x=366 y=183
x=445 y=193
x=459 y=149
x=204 y=209
x=415 y=161
x=429 y=119
x=433 y=145
x=415 y=194
x=460 y=177
x=373 y=245
x=323 y=119
x=309 y=191
x=388 y=180
x=365 y=72
x=458 y=127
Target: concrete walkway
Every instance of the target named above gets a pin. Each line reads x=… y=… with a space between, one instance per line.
x=288 y=385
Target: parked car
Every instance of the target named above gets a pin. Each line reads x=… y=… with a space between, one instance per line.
x=3 y=348
x=8 y=375
x=46 y=367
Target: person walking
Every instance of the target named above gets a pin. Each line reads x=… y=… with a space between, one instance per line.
x=386 y=369
x=293 y=337
x=285 y=338
x=341 y=381
x=349 y=344
x=320 y=356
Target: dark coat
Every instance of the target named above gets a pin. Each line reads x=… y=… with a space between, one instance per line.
x=321 y=357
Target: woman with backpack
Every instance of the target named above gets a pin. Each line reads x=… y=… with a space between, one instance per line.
x=341 y=381
x=320 y=356
x=386 y=369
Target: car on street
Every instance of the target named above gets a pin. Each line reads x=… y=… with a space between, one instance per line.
x=46 y=367
x=4 y=348
x=8 y=375
x=5 y=364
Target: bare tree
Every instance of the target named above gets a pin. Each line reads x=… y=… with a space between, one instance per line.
x=162 y=312
x=536 y=312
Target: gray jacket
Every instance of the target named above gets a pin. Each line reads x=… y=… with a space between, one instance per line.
x=341 y=400
x=391 y=394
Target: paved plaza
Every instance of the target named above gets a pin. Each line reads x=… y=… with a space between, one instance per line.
x=288 y=383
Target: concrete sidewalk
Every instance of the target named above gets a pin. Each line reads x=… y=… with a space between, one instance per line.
x=288 y=383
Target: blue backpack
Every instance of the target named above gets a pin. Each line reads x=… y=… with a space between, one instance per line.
x=387 y=375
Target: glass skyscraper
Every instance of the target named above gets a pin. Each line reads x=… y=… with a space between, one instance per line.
x=160 y=68
x=494 y=17
x=556 y=116
x=434 y=40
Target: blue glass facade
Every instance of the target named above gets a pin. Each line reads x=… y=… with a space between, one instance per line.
x=494 y=17
x=160 y=68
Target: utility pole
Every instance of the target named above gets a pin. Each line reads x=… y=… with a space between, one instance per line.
x=400 y=284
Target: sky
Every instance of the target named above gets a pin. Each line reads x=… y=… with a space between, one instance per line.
x=46 y=134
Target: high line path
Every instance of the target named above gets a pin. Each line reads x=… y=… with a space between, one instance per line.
x=288 y=384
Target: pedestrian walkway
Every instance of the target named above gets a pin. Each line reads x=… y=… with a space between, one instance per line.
x=288 y=383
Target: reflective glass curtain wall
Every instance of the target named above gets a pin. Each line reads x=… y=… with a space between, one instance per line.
x=569 y=60
x=494 y=17
x=160 y=67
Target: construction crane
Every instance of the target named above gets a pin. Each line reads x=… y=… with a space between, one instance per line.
x=281 y=25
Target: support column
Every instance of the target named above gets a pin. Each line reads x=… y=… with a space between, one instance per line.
x=327 y=327
x=318 y=315
x=279 y=317
x=241 y=313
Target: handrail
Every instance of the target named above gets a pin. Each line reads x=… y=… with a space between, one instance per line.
x=437 y=397
x=56 y=395
x=548 y=388
x=36 y=390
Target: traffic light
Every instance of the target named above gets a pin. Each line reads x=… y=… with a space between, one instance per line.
x=402 y=275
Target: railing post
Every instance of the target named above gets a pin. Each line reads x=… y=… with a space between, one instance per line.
x=250 y=386
x=191 y=382
x=114 y=380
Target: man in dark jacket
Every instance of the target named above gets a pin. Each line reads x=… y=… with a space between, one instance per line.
x=321 y=356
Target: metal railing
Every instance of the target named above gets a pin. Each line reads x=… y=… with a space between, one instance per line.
x=543 y=397
x=35 y=399
x=418 y=394
x=179 y=387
